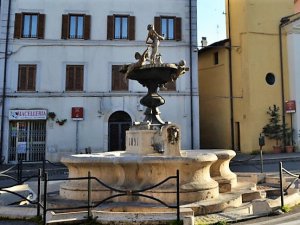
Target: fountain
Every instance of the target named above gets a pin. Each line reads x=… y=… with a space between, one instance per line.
x=152 y=148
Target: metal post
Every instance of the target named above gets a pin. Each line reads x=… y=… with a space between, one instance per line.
x=261 y=142
x=261 y=160
x=45 y=198
x=38 y=212
x=177 y=195
x=77 y=148
x=44 y=165
x=89 y=195
x=292 y=133
x=281 y=184
x=20 y=171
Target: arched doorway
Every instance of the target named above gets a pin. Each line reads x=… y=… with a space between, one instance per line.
x=118 y=123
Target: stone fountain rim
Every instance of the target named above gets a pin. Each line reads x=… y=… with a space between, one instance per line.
x=124 y=157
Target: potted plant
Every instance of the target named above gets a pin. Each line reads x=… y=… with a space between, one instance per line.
x=61 y=122
x=289 y=145
x=51 y=115
x=273 y=130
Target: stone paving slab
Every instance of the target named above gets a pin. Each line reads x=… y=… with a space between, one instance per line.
x=16 y=222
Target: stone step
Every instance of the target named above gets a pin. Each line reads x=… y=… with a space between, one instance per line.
x=224 y=201
x=132 y=215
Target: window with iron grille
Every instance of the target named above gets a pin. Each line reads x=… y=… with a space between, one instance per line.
x=119 y=82
x=76 y=26
x=26 y=77
x=29 y=25
x=169 y=27
x=120 y=27
x=74 y=77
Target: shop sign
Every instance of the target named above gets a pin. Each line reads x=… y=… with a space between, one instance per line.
x=27 y=114
x=290 y=106
x=77 y=113
x=21 y=147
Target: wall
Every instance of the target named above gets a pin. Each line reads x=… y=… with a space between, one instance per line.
x=255 y=52
x=214 y=98
x=52 y=54
x=293 y=41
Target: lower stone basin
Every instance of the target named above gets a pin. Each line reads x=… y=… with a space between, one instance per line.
x=126 y=171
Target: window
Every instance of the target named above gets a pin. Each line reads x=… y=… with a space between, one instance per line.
x=26 y=77
x=216 y=58
x=29 y=25
x=74 y=78
x=76 y=26
x=119 y=82
x=169 y=27
x=270 y=78
x=120 y=27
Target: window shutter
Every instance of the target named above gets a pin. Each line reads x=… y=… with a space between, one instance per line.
x=110 y=27
x=68 y=79
x=178 y=29
x=87 y=27
x=131 y=27
x=79 y=78
x=65 y=27
x=41 y=26
x=157 y=24
x=18 y=25
x=22 y=78
x=31 y=78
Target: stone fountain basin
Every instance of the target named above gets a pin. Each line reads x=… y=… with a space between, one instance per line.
x=127 y=171
x=161 y=73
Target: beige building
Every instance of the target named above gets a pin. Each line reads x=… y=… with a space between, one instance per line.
x=241 y=77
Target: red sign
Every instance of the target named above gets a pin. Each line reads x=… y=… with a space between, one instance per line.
x=77 y=113
x=290 y=106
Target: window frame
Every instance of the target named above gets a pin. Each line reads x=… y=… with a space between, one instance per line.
x=177 y=27
x=76 y=16
x=167 y=35
x=111 y=27
x=30 y=25
x=19 y=26
x=72 y=82
x=28 y=77
x=121 y=30
x=216 y=58
x=67 y=23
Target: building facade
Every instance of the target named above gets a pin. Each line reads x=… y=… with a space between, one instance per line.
x=257 y=75
x=293 y=48
x=62 y=89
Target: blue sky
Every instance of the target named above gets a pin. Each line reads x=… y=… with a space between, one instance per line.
x=211 y=20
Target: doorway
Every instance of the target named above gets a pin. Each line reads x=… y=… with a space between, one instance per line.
x=27 y=140
x=118 y=123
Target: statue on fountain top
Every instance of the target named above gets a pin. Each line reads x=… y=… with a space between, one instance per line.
x=153 y=39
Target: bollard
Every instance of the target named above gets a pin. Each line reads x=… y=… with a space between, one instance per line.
x=89 y=196
x=281 y=185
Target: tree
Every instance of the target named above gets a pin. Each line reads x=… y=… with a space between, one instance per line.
x=273 y=130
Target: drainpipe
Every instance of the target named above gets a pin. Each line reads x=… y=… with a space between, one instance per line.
x=282 y=23
x=230 y=77
x=4 y=80
x=191 y=76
